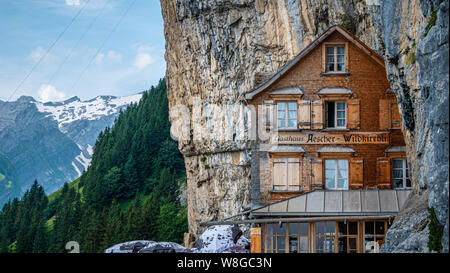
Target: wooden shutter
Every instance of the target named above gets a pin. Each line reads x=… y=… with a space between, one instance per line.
x=356 y=181
x=317 y=173
x=395 y=116
x=317 y=114
x=279 y=176
x=268 y=114
x=294 y=174
x=304 y=112
x=384 y=172
x=353 y=114
x=385 y=117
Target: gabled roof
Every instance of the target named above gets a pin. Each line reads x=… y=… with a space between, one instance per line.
x=338 y=202
x=377 y=58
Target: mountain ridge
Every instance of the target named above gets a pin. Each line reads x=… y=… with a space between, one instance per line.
x=53 y=141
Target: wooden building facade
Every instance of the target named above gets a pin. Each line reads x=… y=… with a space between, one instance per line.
x=328 y=132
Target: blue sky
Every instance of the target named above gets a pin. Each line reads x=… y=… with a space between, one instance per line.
x=130 y=61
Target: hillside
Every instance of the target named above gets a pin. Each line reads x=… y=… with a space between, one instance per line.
x=52 y=142
x=129 y=192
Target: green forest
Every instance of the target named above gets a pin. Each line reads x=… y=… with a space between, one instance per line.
x=129 y=192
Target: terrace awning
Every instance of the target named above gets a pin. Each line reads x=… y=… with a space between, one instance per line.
x=338 y=203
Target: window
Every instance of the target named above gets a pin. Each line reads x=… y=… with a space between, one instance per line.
x=291 y=237
x=347 y=237
x=287 y=115
x=336 y=114
x=340 y=237
x=276 y=238
x=286 y=174
x=325 y=237
x=374 y=232
x=298 y=237
x=400 y=174
x=336 y=174
x=335 y=58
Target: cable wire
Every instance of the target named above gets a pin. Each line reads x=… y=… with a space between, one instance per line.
x=102 y=45
x=49 y=49
x=70 y=53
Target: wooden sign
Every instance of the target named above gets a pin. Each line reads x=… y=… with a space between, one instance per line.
x=255 y=240
x=330 y=138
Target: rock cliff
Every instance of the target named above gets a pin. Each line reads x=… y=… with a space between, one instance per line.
x=213 y=49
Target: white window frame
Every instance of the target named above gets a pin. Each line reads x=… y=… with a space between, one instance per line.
x=336 y=114
x=336 y=171
x=405 y=173
x=335 y=58
x=286 y=115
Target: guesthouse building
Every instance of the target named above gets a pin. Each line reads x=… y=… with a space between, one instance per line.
x=329 y=169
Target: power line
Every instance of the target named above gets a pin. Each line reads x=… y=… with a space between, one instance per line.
x=70 y=52
x=102 y=45
x=49 y=49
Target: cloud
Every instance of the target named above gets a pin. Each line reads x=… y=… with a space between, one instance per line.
x=143 y=57
x=73 y=2
x=142 y=60
x=39 y=53
x=99 y=58
x=48 y=92
x=114 y=56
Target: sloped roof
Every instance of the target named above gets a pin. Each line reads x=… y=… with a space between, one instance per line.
x=335 y=91
x=292 y=90
x=335 y=149
x=377 y=58
x=338 y=202
x=394 y=149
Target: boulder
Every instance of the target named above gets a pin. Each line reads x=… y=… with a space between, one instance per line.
x=222 y=239
x=164 y=247
x=129 y=247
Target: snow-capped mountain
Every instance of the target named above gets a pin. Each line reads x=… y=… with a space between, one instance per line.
x=51 y=142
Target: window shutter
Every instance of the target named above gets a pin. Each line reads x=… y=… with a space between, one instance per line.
x=268 y=114
x=356 y=174
x=395 y=115
x=304 y=111
x=317 y=173
x=353 y=113
x=294 y=174
x=384 y=172
x=317 y=114
x=385 y=117
x=279 y=176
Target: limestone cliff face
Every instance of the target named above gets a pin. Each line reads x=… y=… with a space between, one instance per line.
x=213 y=48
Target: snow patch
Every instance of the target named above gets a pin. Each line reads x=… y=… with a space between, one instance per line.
x=76 y=169
x=74 y=109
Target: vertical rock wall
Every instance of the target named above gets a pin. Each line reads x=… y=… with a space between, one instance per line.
x=213 y=48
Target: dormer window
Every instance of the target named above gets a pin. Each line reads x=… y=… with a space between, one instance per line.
x=287 y=115
x=335 y=58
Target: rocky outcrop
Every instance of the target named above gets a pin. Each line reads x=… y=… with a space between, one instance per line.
x=213 y=49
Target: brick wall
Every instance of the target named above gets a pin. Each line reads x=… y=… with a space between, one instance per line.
x=367 y=80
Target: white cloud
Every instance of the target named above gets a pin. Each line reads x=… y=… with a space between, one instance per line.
x=114 y=56
x=143 y=57
x=142 y=60
x=48 y=92
x=99 y=58
x=73 y=2
x=39 y=53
